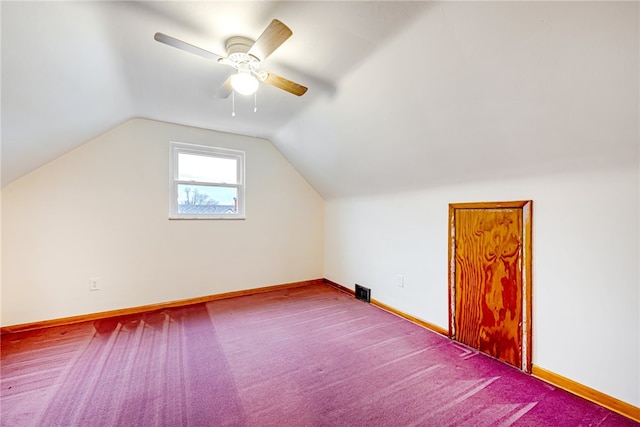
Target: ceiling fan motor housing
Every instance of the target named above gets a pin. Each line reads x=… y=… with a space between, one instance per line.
x=237 y=48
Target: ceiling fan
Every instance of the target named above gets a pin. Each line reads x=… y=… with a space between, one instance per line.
x=246 y=56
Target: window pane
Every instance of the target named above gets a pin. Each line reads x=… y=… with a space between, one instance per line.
x=192 y=167
x=205 y=199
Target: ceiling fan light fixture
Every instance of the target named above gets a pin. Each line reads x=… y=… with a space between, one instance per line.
x=244 y=83
x=246 y=56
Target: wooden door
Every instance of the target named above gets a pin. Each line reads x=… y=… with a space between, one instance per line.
x=490 y=279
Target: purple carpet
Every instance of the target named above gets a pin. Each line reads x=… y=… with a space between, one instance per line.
x=310 y=356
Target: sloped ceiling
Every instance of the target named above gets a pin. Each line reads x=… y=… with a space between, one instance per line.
x=401 y=95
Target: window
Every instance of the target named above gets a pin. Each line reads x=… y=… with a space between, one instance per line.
x=206 y=182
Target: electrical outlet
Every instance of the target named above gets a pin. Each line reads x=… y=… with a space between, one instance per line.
x=400 y=281
x=94 y=284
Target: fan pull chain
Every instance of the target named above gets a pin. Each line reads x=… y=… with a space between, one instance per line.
x=255 y=101
x=233 y=103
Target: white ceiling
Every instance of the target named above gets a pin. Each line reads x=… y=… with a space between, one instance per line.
x=401 y=95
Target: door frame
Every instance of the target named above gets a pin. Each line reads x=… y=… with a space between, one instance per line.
x=526 y=207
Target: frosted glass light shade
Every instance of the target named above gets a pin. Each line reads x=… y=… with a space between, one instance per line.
x=244 y=83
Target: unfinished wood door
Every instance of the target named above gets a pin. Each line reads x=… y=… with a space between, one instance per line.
x=490 y=279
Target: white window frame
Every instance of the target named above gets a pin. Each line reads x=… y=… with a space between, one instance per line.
x=176 y=148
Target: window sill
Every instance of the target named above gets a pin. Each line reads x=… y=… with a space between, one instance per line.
x=215 y=218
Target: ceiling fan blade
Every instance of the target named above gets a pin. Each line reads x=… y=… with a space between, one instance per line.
x=270 y=39
x=171 y=41
x=284 y=84
x=225 y=90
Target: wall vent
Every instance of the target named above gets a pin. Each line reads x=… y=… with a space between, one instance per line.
x=363 y=293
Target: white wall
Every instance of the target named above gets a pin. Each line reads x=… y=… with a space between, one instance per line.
x=586 y=299
x=101 y=211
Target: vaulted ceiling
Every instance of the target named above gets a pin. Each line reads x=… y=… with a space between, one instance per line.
x=402 y=95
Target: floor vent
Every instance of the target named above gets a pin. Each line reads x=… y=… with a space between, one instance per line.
x=363 y=293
